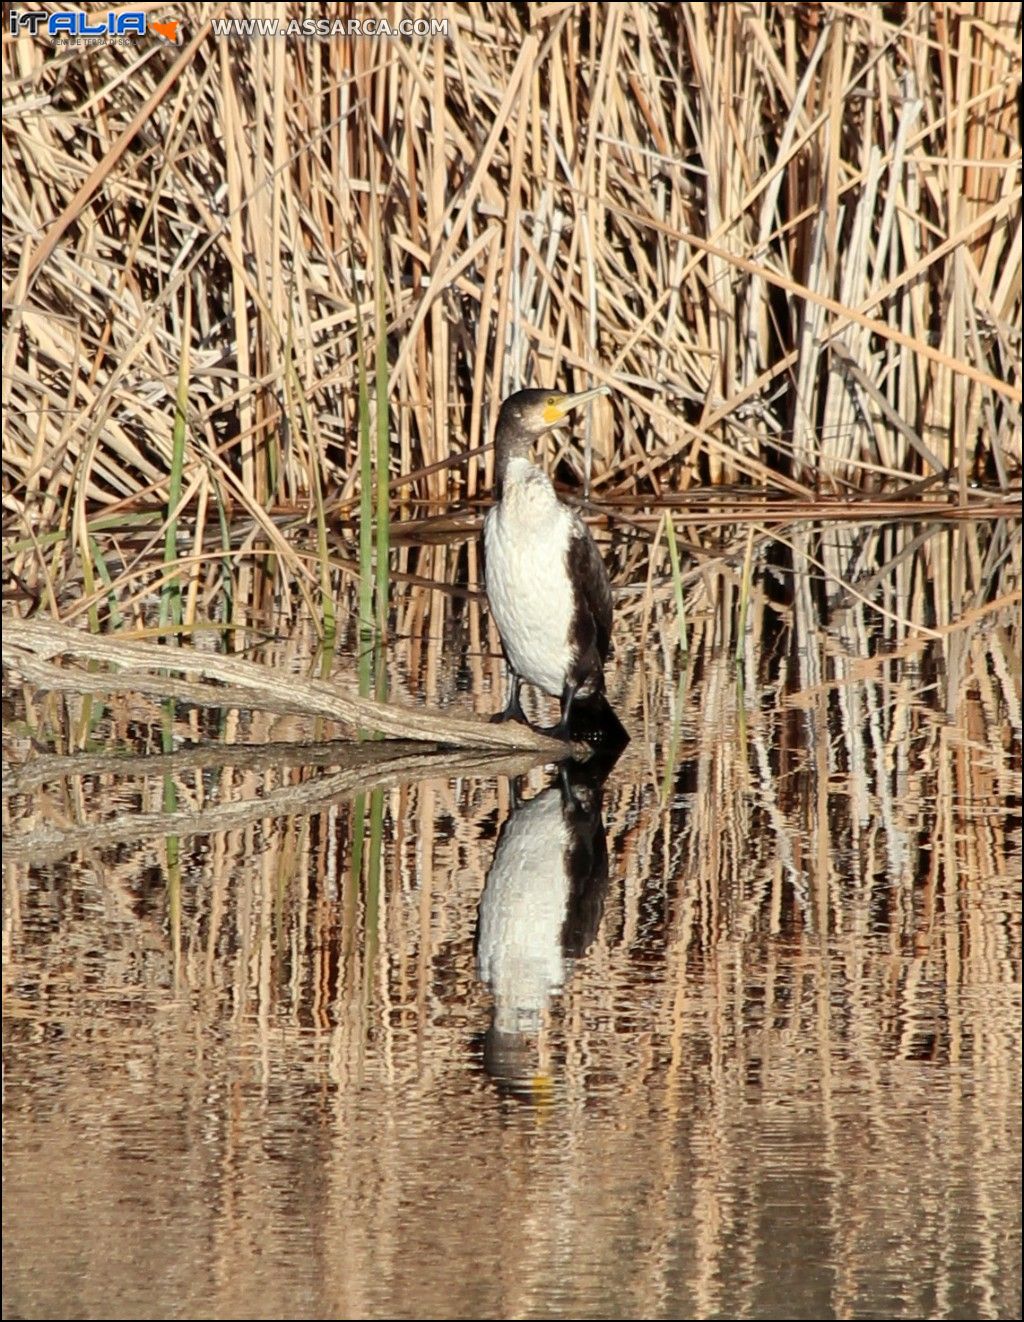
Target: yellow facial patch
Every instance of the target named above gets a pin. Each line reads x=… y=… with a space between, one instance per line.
x=552 y=413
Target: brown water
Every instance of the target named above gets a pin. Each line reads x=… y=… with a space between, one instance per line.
x=757 y=1056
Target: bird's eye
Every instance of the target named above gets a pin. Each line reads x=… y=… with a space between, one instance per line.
x=551 y=401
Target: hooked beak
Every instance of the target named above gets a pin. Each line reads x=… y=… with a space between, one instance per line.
x=556 y=413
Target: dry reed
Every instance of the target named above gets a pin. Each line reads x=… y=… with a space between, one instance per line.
x=789 y=238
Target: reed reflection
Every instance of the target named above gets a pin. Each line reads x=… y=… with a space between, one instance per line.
x=539 y=912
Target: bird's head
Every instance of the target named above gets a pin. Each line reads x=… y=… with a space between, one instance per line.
x=530 y=413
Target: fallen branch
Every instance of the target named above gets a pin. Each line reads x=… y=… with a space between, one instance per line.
x=29 y=647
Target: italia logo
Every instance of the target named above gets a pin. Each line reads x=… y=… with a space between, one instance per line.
x=74 y=25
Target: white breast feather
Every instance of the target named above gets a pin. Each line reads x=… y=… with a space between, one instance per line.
x=526 y=537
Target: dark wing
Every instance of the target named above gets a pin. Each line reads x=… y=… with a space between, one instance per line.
x=594 y=592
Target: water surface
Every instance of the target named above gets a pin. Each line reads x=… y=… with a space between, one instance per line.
x=734 y=1031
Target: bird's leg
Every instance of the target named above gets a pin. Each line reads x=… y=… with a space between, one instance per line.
x=561 y=730
x=513 y=711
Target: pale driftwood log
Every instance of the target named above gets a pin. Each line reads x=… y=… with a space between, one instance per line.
x=380 y=771
x=30 y=646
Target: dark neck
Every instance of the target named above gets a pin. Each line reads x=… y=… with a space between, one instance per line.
x=511 y=441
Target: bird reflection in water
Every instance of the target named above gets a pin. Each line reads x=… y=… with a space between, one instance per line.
x=539 y=912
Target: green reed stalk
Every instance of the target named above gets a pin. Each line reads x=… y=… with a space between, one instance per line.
x=116 y=618
x=89 y=585
x=741 y=712
x=677 y=584
x=358 y=820
x=741 y=624
x=374 y=506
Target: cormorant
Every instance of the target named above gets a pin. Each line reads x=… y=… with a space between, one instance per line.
x=546 y=583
